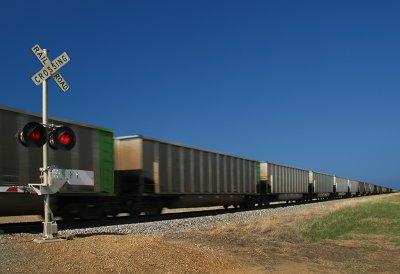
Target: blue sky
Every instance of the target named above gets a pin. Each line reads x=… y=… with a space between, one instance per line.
x=311 y=84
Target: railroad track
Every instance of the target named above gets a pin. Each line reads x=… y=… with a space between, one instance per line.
x=26 y=227
x=37 y=227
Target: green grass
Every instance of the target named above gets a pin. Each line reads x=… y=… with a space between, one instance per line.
x=370 y=220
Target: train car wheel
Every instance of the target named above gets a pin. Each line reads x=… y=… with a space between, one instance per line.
x=134 y=213
x=92 y=213
x=153 y=211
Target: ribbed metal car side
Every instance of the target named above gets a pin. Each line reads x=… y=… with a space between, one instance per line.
x=353 y=186
x=363 y=188
x=169 y=168
x=323 y=183
x=20 y=165
x=341 y=185
x=371 y=188
x=284 y=179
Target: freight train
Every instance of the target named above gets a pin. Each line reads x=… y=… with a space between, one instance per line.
x=137 y=175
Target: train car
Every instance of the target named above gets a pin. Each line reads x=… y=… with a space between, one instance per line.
x=323 y=184
x=367 y=189
x=362 y=189
x=182 y=176
x=371 y=189
x=341 y=186
x=19 y=165
x=285 y=183
x=353 y=188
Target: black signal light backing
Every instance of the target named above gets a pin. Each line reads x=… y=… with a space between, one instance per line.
x=62 y=138
x=32 y=135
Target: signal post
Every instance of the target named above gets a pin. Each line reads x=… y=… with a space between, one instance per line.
x=50 y=69
x=47 y=224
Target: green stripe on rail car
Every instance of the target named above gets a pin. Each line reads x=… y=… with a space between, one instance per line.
x=106 y=159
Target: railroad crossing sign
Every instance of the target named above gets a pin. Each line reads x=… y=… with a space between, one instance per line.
x=50 y=69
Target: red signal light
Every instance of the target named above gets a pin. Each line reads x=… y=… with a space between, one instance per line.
x=32 y=135
x=62 y=138
x=35 y=135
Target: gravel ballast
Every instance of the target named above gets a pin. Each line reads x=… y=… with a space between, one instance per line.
x=254 y=241
x=203 y=222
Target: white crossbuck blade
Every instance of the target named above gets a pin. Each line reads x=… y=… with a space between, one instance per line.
x=50 y=69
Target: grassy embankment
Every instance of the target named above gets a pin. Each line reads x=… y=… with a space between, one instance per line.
x=372 y=220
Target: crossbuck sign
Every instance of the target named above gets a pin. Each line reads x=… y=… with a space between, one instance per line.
x=50 y=68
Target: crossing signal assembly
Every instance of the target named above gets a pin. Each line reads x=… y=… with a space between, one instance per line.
x=35 y=135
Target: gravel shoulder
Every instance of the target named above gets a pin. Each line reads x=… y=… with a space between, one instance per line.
x=259 y=241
